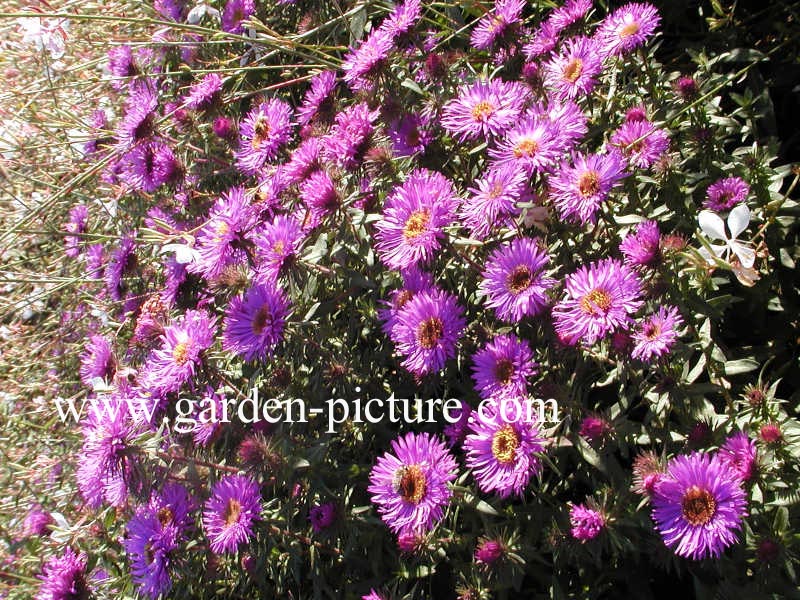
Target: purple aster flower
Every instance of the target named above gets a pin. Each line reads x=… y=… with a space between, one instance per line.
x=579 y=190
x=489 y=552
x=318 y=100
x=37 y=522
x=514 y=282
x=320 y=197
x=409 y=134
x=427 y=330
x=484 y=109
x=402 y=19
x=455 y=432
x=641 y=142
x=78 y=216
x=224 y=128
x=262 y=133
x=99 y=139
x=97 y=360
x=203 y=93
x=544 y=39
x=235 y=12
x=414 y=216
x=230 y=512
x=106 y=460
x=574 y=71
x=643 y=247
x=698 y=506
x=255 y=322
x=273 y=184
x=64 y=578
x=627 y=28
x=501 y=368
x=121 y=262
x=726 y=193
x=409 y=485
x=636 y=113
x=149 y=165
x=568 y=122
x=648 y=471
x=95 y=256
x=414 y=280
x=493 y=201
x=304 y=160
x=170 y=9
x=572 y=11
x=657 y=334
x=183 y=344
x=221 y=240
x=531 y=146
x=594 y=428
x=363 y=65
x=139 y=120
x=739 y=455
x=350 y=136
x=496 y=24
x=277 y=246
x=502 y=447
x=121 y=65
x=174 y=507
x=586 y=522
x=322 y=516
x=686 y=87
x=599 y=299
x=149 y=547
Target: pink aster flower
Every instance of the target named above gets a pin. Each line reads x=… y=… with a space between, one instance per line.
x=501 y=368
x=627 y=28
x=739 y=454
x=230 y=513
x=586 y=522
x=573 y=72
x=263 y=132
x=493 y=201
x=255 y=322
x=599 y=299
x=495 y=24
x=726 y=193
x=657 y=334
x=484 y=109
x=641 y=142
x=531 y=146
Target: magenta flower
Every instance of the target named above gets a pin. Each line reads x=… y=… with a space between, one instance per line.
x=502 y=447
x=489 y=552
x=230 y=513
x=641 y=142
x=502 y=368
x=484 y=109
x=574 y=71
x=493 y=201
x=627 y=28
x=235 y=12
x=642 y=248
x=514 y=283
x=579 y=190
x=657 y=334
x=362 y=65
x=599 y=299
x=350 y=136
x=322 y=516
x=494 y=25
x=277 y=246
x=531 y=146
x=427 y=329
x=203 y=93
x=413 y=219
x=414 y=281
x=318 y=100
x=255 y=322
x=739 y=454
x=726 y=193
x=64 y=577
x=410 y=484
x=262 y=133
x=698 y=506
x=586 y=522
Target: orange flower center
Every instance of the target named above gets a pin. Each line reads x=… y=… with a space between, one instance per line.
x=589 y=183
x=232 y=511
x=411 y=483
x=629 y=30
x=698 y=506
x=526 y=147
x=573 y=70
x=181 y=352
x=482 y=110
x=595 y=302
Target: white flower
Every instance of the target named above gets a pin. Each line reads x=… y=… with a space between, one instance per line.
x=714 y=228
x=49 y=34
x=184 y=254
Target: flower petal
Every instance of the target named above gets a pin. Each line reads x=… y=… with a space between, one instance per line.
x=738 y=220
x=712 y=225
x=747 y=256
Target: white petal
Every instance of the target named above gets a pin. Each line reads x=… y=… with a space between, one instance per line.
x=712 y=225
x=746 y=255
x=738 y=220
x=718 y=251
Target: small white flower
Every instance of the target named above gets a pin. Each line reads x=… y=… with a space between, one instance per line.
x=714 y=228
x=184 y=254
x=45 y=34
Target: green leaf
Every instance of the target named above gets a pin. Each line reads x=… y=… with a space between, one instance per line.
x=742 y=365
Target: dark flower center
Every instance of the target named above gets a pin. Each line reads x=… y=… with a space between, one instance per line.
x=504 y=444
x=589 y=183
x=261 y=319
x=652 y=331
x=519 y=279
x=165 y=516
x=595 y=302
x=482 y=110
x=412 y=484
x=573 y=70
x=402 y=298
x=698 y=506
x=504 y=370
x=233 y=509
x=429 y=332
x=144 y=128
x=416 y=224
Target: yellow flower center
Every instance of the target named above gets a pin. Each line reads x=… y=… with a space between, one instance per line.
x=181 y=352
x=416 y=224
x=629 y=30
x=504 y=444
x=595 y=302
x=526 y=147
x=589 y=183
x=482 y=110
x=573 y=70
